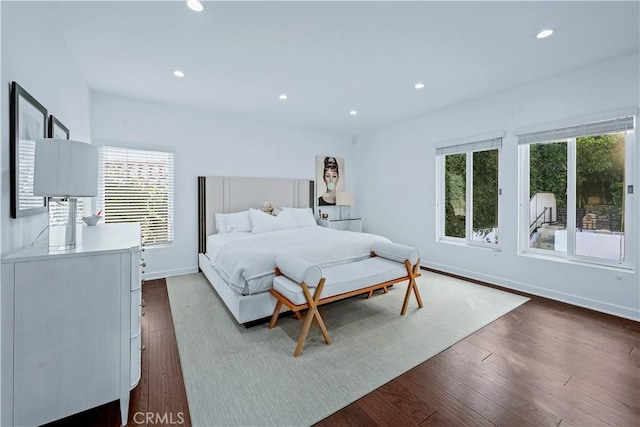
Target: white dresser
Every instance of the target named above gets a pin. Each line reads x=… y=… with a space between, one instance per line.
x=347 y=224
x=71 y=326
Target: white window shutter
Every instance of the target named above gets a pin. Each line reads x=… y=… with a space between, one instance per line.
x=596 y=128
x=137 y=186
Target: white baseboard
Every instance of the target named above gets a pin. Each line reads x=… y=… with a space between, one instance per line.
x=616 y=310
x=168 y=273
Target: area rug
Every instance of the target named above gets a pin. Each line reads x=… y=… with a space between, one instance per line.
x=236 y=376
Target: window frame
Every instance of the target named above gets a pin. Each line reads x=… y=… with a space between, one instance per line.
x=467 y=146
x=630 y=240
x=139 y=154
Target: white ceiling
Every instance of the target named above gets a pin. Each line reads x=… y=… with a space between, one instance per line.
x=331 y=57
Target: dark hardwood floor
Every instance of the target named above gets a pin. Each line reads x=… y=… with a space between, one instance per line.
x=545 y=363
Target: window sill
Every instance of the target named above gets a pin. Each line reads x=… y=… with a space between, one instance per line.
x=157 y=246
x=561 y=259
x=464 y=244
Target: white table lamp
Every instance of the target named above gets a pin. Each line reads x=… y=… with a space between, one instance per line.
x=344 y=199
x=65 y=170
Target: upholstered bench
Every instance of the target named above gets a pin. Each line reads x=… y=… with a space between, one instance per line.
x=297 y=278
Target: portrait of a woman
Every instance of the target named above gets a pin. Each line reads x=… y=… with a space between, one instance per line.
x=328 y=181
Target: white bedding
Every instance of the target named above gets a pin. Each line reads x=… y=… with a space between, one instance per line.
x=247 y=261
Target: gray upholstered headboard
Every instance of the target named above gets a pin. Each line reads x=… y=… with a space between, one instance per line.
x=233 y=194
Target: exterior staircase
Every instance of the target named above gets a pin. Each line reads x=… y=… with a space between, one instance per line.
x=544 y=236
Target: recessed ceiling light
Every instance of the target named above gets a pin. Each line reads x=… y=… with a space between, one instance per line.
x=283 y=96
x=543 y=34
x=419 y=85
x=195 y=5
x=178 y=73
x=353 y=112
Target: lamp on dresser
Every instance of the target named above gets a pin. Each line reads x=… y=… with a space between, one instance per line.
x=344 y=200
x=65 y=170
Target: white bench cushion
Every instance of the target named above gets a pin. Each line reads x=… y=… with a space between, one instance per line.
x=344 y=278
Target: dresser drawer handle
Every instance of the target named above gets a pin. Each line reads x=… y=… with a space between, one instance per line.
x=143 y=347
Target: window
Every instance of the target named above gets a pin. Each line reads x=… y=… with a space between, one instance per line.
x=575 y=191
x=137 y=186
x=468 y=196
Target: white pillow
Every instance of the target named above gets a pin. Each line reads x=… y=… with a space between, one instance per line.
x=233 y=222
x=221 y=223
x=261 y=221
x=303 y=216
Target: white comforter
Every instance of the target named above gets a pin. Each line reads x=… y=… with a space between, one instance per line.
x=247 y=261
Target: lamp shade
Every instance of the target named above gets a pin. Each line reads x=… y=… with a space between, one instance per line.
x=65 y=168
x=344 y=199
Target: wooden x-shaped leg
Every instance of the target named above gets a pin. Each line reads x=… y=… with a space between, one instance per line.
x=276 y=313
x=311 y=314
x=413 y=272
x=370 y=294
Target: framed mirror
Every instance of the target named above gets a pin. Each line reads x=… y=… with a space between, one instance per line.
x=56 y=129
x=28 y=123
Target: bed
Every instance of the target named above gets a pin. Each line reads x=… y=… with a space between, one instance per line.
x=240 y=265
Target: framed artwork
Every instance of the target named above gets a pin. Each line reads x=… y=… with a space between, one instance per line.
x=28 y=123
x=56 y=129
x=329 y=179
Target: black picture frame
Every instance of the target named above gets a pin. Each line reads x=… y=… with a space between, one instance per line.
x=57 y=129
x=28 y=122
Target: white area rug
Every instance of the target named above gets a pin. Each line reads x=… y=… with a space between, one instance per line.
x=249 y=377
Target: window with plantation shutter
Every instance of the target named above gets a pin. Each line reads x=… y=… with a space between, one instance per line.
x=137 y=186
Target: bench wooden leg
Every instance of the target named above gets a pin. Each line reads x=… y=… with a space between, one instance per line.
x=416 y=273
x=303 y=333
x=297 y=313
x=311 y=313
x=385 y=289
x=412 y=287
x=276 y=313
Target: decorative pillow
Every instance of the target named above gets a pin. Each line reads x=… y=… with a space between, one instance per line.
x=261 y=222
x=299 y=270
x=303 y=216
x=233 y=222
x=396 y=252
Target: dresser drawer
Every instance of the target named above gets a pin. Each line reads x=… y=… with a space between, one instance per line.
x=136 y=308
x=136 y=355
x=136 y=279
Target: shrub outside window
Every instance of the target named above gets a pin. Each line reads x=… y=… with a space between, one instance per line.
x=468 y=201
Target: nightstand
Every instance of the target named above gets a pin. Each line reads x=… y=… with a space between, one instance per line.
x=346 y=224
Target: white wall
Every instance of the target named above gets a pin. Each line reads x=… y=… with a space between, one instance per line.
x=2 y=155
x=399 y=200
x=38 y=59
x=206 y=144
